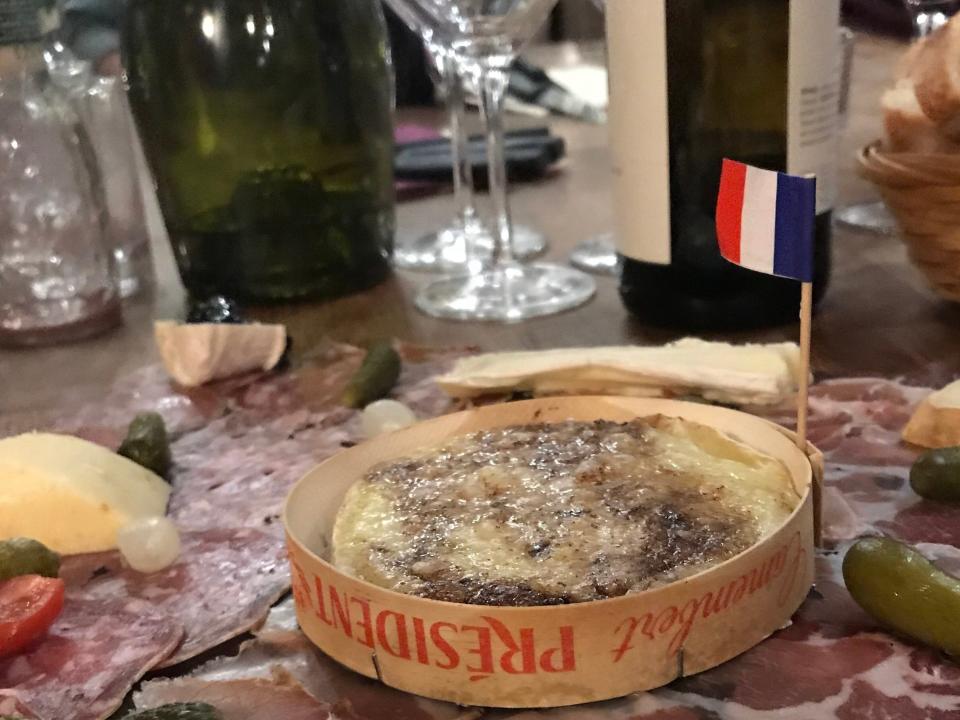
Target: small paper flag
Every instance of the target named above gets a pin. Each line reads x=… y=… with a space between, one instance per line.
x=765 y=220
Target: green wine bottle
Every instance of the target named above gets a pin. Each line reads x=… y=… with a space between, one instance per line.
x=267 y=124
x=693 y=82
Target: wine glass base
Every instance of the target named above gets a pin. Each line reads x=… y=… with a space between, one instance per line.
x=872 y=217
x=507 y=294
x=436 y=252
x=597 y=255
x=446 y=250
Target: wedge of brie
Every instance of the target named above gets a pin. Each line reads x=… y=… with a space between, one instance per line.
x=715 y=371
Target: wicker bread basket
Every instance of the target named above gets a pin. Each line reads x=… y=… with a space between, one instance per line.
x=923 y=193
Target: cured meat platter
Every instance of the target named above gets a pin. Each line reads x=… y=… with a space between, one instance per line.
x=240 y=445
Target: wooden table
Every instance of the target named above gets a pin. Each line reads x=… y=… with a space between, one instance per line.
x=878 y=318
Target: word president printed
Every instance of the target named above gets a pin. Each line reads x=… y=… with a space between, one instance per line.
x=487 y=645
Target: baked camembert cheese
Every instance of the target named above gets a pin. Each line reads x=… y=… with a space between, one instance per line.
x=546 y=514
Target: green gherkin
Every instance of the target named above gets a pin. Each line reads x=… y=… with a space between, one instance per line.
x=178 y=711
x=24 y=556
x=375 y=378
x=147 y=443
x=936 y=475
x=905 y=591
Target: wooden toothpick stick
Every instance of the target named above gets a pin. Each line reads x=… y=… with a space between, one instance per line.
x=803 y=394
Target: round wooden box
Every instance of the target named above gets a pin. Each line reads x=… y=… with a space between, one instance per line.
x=558 y=655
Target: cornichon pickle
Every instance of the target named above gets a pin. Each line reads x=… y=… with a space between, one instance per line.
x=936 y=474
x=24 y=556
x=375 y=377
x=905 y=591
x=178 y=711
x=147 y=443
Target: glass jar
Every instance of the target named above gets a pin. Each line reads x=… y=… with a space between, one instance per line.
x=56 y=269
x=267 y=124
x=101 y=103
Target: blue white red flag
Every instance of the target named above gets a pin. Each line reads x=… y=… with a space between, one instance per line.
x=765 y=220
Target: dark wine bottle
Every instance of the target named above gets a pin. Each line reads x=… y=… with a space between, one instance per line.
x=267 y=124
x=693 y=82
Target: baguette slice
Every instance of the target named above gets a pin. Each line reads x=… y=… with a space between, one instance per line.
x=935 y=71
x=936 y=421
x=194 y=354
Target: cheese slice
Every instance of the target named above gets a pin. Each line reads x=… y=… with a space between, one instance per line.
x=70 y=494
x=744 y=374
x=194 y=354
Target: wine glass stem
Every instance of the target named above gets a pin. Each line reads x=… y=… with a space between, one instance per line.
x=463 y=170
x=493 y=87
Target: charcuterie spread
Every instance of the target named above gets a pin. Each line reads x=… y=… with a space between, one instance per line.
x=237 y=448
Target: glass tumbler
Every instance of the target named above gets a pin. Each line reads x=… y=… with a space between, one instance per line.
x=56 y=267
x=113 y=137
x=101 y=102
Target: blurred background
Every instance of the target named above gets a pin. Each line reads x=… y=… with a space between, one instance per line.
x=92 y=30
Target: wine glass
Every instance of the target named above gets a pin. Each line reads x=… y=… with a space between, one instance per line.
x=597 y=254
x=928 y=15
x=452 y=247
x=874 y=217
x=485 y=37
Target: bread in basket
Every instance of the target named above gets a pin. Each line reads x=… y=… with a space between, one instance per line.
x=916 y=166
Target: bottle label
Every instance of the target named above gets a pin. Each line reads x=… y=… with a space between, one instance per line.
x=639 y=121
x=638 y=125
x=813 y=87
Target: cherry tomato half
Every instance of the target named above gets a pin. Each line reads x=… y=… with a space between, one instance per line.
x=28 y=606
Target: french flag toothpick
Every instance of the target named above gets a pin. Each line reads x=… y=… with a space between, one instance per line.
x=765 y=222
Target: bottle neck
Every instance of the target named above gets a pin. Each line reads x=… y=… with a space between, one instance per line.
x=20 y=60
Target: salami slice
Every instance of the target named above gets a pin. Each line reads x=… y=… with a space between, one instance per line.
x=88 y=661
x=148 y=388
x=238 y=470
x=222 y=585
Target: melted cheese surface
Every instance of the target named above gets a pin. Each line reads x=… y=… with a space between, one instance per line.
x=566 y=512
